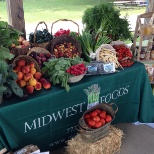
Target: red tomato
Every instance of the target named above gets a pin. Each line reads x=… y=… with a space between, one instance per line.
x=108 y=118
x=87 y=120
x=98 y=124
x=86 y=116
x=98 y=110
x=96 y=118
x=91 y=123
x=93 y=114
x=102 y=115
x=104 y=112
x=102 y=121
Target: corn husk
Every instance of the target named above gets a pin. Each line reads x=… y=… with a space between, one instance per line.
x=107 y=145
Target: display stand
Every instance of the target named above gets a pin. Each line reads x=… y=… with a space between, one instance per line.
x=145 y=35
x=139 y=32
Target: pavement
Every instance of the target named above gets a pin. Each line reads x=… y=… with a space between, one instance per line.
x=137 y=139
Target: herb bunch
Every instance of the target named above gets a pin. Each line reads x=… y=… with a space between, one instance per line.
x=55 y=70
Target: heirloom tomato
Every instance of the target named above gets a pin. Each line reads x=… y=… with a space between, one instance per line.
x=98 y=124
x=102 y=115
x=108 y=118
x=96 y=118
x=93 y=114
x=104 y=112
x=86 y=116
x=102 y=121
x=98 y=111
x=91 y=123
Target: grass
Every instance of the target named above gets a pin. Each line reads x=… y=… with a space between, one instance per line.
x=51 y=10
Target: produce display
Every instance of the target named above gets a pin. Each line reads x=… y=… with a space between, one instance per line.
x=90 y=43
x=66 y=49
x=97 y=118
x=8 y=85
x=40 y=57
x=62 y=63
x=100 y=67
x=57 y=70
x=28 y=78
x=107 y=55
x=21 y=47
x=22 y=43
x=124 y=55
x=62 y=32
x=77 y=69
x=42 y=36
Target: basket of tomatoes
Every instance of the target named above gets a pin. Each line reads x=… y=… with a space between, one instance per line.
x=95 y=122
x=65 y=46
x=123 y=53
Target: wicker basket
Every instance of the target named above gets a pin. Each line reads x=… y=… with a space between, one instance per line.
x=39 y=50
x=92 y=135
x=20 y=51
x=45 y=45
x=67 y=39
x=64 y=21
x=27 y=59
x=74 y=79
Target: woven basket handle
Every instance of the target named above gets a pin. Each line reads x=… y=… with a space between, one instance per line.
x=116 y=107
x=65 y=20
x=41 y=22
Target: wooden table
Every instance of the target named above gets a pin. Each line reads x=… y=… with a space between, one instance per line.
x=129 y=4
x=122 y=4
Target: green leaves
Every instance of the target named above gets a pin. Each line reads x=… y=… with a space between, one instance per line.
x=101 y=40
x=106 y=17
x=56 y=70
x=8 y=35
x=8 y=84
x=90 y=43
x=5 y=54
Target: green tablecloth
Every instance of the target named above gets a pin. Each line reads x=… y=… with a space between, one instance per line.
x=49 y=117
